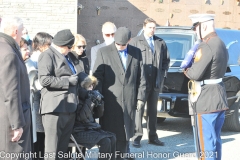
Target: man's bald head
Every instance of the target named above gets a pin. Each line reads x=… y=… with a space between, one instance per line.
x=108 y=27
x=108 y=31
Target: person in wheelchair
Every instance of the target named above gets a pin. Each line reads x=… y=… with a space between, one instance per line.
x=86 y=131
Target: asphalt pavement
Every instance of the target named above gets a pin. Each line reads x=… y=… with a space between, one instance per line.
x=177 y=134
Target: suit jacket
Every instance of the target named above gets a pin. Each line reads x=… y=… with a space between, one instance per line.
x=14 y=97
x=121 y=89
x=94 y=53
x=160 y=52
x=53 y=73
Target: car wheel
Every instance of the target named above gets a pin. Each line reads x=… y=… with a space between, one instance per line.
x=233 y=122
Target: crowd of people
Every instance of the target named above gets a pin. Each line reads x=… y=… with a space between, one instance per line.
x=49 y=90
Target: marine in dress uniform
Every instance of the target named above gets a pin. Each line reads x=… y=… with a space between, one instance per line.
x=209 y=67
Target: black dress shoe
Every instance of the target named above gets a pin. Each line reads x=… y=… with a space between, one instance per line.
x=156 y=142
x=136 y=144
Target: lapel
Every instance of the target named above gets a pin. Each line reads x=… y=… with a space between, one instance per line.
x=78 y=65
x=129 y=58
x=61 y=56
x=18 y=53
x=157 y=46
x=144 y=41
x=116 y=57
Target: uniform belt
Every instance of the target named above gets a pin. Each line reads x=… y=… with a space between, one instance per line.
x=211 y=81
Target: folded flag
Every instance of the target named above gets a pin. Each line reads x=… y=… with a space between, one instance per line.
x=188 y=60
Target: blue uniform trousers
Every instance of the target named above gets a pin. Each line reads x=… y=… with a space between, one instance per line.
x=209 y=132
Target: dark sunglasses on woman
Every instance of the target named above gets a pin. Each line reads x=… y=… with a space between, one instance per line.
x=79 y=47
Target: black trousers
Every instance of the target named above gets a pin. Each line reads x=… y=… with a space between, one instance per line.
x=58 y=128
x=107 y=145
x=122 y=147
x=152 y=100
x=39 y=146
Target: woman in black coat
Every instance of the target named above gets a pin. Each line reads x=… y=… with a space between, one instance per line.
x=86 y=131
x=79 y=51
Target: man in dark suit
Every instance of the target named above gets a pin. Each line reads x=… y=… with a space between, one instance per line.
x=119 y=70
x=57 y=75
x=15 y=115
x=156 y=62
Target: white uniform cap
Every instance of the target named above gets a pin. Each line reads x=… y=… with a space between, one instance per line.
x=201 y=17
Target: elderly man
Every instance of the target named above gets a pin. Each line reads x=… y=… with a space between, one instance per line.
x=209 y=67
x=57 y=75
x=15 y=115
x=119 y=70
x=108 y=30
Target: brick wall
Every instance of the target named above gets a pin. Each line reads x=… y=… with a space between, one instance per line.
x=131 y=13
x=53 y=15
x=43 y=15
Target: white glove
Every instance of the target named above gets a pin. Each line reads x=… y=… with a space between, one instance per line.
x=140 y=105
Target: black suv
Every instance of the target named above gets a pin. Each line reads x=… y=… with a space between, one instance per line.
x=173 y=102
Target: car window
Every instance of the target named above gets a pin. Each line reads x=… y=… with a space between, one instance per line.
x=178 y=45
x=231 y=38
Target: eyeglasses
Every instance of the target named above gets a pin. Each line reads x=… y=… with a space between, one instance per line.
x=79 y=47
x=121 y=44
x=108 y=35
x=69 y=47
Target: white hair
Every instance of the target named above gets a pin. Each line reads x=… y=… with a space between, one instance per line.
x=107 y=25
x=8 y=24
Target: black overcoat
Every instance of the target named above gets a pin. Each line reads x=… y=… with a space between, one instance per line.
x=14 y=98
x=162 y=59
x=121 y=89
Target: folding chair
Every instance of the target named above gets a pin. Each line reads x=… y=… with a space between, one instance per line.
x=78 y=146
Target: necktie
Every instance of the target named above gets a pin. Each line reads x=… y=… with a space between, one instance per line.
x=123 y=55
x=70 y=64
x=151 y=44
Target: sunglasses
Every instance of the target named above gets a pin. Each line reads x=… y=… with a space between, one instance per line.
x=194 y=26
x=108 y=35
x=121 y=44
x=69 y=47
x=79 y=47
